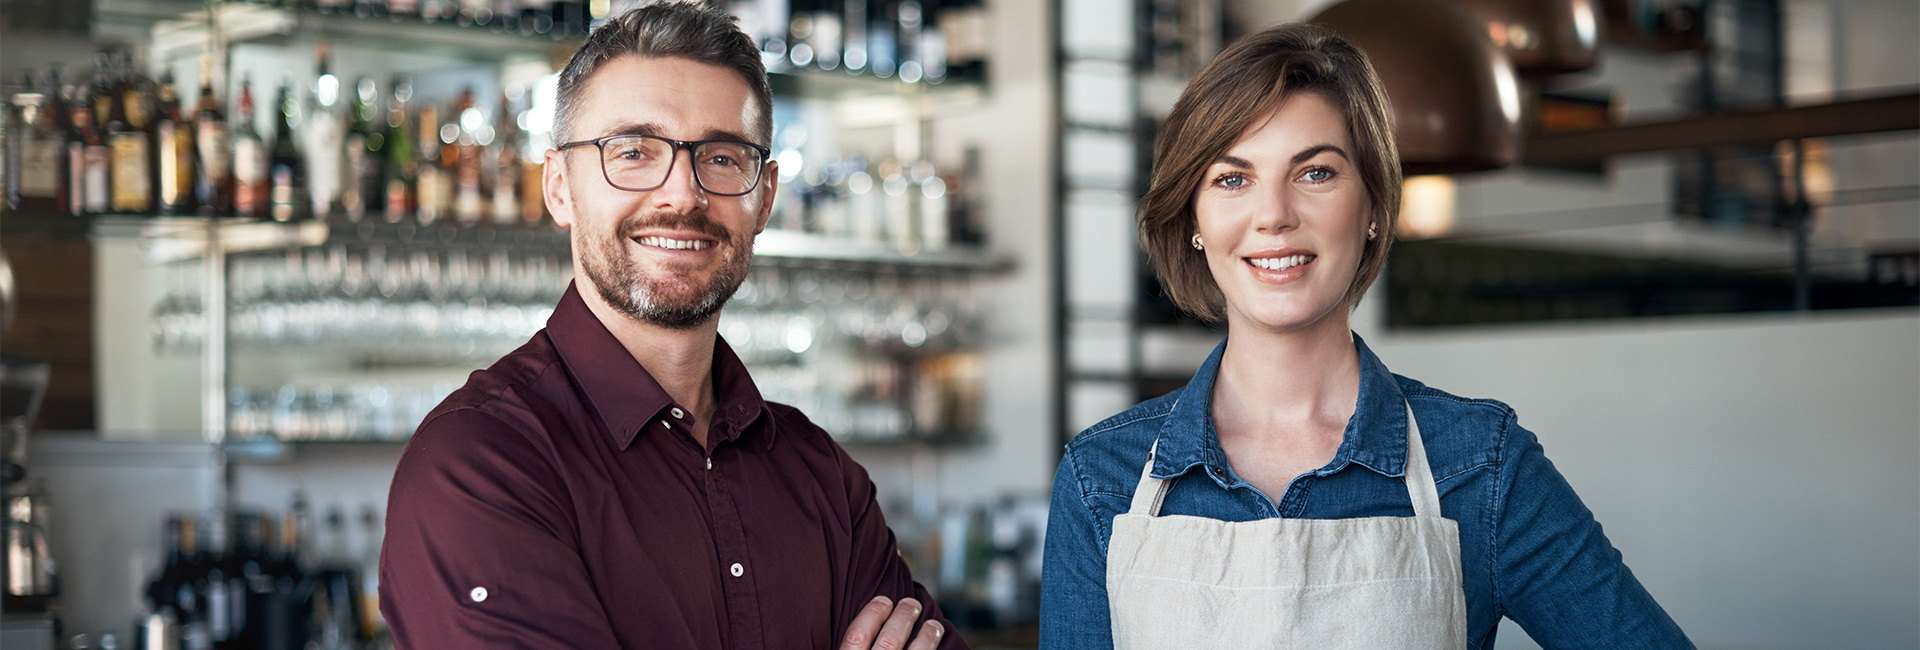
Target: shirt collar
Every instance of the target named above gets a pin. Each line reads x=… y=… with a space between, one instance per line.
x=1375 y=438
x=625 y=396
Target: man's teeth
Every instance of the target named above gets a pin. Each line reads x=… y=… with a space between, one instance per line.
x=1280 y=263
x=676 y=244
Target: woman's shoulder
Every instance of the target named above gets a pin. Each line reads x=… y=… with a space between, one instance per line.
x=1461 y=432
x=1114 y=450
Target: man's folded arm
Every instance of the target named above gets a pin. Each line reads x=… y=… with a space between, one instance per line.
x=877 y=568
x=480 y=549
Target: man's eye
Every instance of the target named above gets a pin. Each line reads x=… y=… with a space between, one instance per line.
x=720 y=161
x=629 y=154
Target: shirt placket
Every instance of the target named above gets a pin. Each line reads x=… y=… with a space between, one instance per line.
x=730 y=546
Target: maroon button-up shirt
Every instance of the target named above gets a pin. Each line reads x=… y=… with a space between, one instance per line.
x=558 y=501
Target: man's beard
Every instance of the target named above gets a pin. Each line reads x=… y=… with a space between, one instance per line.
x=674 y=300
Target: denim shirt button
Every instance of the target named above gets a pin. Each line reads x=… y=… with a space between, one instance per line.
x=1219 y=472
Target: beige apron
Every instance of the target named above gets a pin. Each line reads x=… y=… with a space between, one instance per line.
x=1376 y=582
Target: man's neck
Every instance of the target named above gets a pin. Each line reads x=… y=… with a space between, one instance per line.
x=680 y=360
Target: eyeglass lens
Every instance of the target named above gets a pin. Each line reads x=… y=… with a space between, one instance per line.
x=641 y=163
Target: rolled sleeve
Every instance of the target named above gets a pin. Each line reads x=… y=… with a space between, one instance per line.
x=480 y=549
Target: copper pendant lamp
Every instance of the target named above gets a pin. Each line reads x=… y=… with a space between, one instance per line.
x=1456 y=99
x=1543 y=37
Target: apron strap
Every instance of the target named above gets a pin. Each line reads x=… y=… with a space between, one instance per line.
x=1421 y=489
x=1148 y=494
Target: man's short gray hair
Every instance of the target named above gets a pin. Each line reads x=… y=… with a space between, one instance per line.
x=686 y=30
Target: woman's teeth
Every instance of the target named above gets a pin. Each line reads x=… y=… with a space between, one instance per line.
x=675 y=244
x=1279 y=263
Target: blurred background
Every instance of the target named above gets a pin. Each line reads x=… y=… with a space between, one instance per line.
x=248 y=245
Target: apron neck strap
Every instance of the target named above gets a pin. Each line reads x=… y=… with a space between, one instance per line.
x=1420 y=486
x=1421 y=490
x=1151 y=491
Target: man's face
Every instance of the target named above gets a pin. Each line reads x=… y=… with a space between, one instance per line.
x=670 y=256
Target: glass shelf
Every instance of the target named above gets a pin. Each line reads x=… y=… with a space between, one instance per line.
x=172 y=239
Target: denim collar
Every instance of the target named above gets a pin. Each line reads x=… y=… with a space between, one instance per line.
x=1376 y=435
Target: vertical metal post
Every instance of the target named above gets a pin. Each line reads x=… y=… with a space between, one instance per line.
x=1800 y=212
x=213 y=362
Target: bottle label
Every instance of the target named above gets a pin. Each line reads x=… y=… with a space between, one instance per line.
x=136 y=108
x=176 y=163
x=39 y=168
x=211 y=137
x=98 y=160
x=132 y=191
x=249 y=162
x=76 y=178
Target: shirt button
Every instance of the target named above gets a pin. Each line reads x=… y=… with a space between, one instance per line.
x=479 y=594
x=677 y=413
x=1219 y=472
x=710 y=466
x=737 y=570
x=666 y=424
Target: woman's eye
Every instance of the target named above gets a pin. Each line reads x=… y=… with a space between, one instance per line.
x=1231 y=181
x=1317 y=175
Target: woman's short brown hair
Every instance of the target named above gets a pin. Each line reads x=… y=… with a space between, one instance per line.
x=1245 y=83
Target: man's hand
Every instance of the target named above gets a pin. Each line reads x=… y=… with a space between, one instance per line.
x=882 y=625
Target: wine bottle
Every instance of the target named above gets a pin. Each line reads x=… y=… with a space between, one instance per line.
x=213 y=187
x=287 y=605
x=250 y=185
x=434 y=184
x=35 y=179
x=286 y=169
x=853 y=18
x=88 y=159
x=402 y=168
x=372 y=625
x=324 y=147
x=174 y=136
x=363 y=190
x=502 y=173
x=131 y=142
x=469 y=202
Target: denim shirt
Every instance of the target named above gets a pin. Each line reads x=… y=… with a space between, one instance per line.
x=1530 y=550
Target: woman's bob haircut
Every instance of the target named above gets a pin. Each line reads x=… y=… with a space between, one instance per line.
x=1242 y=85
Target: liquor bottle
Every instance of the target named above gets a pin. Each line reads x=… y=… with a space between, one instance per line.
x=363 y=190
x=336 y=587
x=536 y=16
x=213 y=186
x=323 y=144
x=402 y=169
x=434 y=186
x=35 y=179
x=193 y=603
x=506 y=15
x=251 y=583
x=250 y=185
x=469 y=201
x=165 y=592
x=908 y=20
x=286 y=170
x=475 y=12
x=372 y=625
x=853 y=18
x=174 y=137
x=130 y=139
x=883 y=45
x=502 y=168
x=403 y=9
x=438 y=10
x=88 y=160
x=287 y=606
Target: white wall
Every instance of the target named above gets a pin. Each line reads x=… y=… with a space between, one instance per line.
x=1758 y=472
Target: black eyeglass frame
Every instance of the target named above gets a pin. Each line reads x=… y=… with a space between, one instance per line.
x=600 y=143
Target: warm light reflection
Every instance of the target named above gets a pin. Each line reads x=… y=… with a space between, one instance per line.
x=1426 y=207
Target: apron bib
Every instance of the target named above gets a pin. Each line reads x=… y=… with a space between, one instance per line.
x=1179 y=581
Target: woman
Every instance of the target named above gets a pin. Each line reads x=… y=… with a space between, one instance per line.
x=1296 y=493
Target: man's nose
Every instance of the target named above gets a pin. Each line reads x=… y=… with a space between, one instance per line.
x=681 y=192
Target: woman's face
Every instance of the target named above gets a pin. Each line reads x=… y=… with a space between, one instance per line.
x=1283 y=217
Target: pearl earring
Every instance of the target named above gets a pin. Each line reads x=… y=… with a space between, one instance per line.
x=1196 y=242
x=1373 y=231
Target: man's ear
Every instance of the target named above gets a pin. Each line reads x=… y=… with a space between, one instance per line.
x=770 y=176
x=554 y=189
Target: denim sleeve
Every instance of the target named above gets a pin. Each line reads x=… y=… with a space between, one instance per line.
x=1555 y=573
x=1073 y=579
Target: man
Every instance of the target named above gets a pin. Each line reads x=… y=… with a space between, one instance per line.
x=617 y=482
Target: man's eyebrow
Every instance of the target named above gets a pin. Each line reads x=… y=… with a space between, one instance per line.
x=633 y=128
x=723 y=134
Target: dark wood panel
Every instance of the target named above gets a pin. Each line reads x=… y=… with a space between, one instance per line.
x=54 y=276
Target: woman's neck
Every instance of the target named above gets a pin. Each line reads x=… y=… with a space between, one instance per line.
x=1287 y=382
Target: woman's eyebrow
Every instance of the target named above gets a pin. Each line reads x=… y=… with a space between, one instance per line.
x=1309 y=152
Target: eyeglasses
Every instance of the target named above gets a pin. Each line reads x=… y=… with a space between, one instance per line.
x=639 y=163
